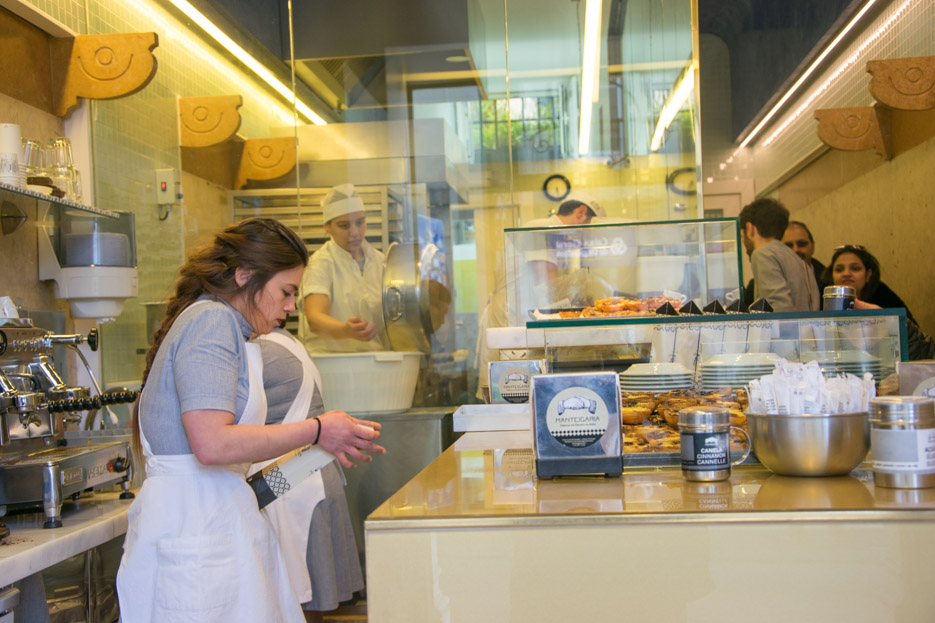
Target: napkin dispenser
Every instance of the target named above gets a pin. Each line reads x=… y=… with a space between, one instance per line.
x=90 y=257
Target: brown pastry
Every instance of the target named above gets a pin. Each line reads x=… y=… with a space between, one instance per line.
x=635 y=414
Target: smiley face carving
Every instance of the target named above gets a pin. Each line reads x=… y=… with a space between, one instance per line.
x=904 y=83
x=104 y=67
x=209 y=120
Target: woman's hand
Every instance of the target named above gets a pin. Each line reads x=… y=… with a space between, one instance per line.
x=359 y=329
x=344 y=437
x=858 y=304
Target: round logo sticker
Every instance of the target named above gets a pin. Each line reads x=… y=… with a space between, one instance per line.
x=577 y=417
x=514 y=385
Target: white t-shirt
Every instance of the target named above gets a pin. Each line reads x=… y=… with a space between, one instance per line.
x=332 y=271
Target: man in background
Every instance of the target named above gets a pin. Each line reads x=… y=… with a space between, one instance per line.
x=780 y=276
x=577 y=210
x=799 y=239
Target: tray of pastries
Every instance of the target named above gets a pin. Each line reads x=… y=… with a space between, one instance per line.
x=650 y=420
x=621 y=306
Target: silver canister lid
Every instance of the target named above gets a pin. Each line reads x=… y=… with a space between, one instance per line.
x=914 y=411
x=839 y=292
x=706 y=417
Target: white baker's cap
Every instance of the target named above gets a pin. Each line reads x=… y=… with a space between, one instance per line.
x=340 y=200
x=588 y=200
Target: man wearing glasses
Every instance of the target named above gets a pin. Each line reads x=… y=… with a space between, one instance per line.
x=799 y=239
x=779 y=275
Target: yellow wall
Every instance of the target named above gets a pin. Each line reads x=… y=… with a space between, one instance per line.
x=890 y=209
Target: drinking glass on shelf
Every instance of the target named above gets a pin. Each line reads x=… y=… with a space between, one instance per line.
x=59 y=153
x=32 y=156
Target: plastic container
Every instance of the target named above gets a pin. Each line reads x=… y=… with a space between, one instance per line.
x=902 y=436
x=372 y=383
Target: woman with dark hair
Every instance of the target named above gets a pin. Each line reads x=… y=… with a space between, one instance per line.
x=854 y=266
x=197 y=547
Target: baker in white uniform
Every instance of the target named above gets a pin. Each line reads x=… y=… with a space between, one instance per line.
x=342 y=288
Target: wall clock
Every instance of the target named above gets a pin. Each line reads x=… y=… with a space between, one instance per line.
x=556 y=187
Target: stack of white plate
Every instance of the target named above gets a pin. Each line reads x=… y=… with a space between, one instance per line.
x=656 y=377
x=856 y=362
x=735 y=369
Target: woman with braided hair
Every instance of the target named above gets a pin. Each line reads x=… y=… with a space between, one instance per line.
x=197 y=547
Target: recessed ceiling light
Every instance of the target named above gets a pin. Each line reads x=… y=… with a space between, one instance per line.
x=456 y=59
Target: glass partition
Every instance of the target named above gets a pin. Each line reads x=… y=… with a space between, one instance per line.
x=725 y=351
x=569 y=269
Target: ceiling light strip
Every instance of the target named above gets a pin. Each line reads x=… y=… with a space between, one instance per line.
x=811 y=68
x=673 y=104
x=590 y=57
x=846 y=64
x=244 y=57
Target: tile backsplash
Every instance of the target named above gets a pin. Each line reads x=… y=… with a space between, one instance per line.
x=132 y=137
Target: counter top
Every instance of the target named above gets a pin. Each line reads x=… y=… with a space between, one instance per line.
x=87 y=523
x=488 y=479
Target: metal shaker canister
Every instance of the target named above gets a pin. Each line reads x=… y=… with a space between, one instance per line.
x=838 y=297
x=704 y=437
x=902 y=439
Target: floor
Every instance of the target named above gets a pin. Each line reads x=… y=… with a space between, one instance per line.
x=356 y=613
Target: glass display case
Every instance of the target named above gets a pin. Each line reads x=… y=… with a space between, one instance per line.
x=667 y=363
x=567 y=269
x=724 y=350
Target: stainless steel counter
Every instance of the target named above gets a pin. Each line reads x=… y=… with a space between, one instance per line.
x=413 y=439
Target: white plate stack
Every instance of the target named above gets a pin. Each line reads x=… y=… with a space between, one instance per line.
x=856 y=362
x=735 y=369
x=656 y=377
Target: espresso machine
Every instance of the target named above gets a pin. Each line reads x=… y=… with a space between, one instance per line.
x=39 y=464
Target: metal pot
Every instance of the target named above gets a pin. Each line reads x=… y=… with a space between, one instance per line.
x=415 y=295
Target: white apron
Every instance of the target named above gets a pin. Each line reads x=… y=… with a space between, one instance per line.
x=197 y=547
x=291 y=515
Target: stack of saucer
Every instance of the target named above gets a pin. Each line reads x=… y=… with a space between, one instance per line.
x=656 y=377
x=735 y=369
x=856 y=362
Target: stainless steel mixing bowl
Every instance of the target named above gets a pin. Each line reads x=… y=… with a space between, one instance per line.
x=810 y=445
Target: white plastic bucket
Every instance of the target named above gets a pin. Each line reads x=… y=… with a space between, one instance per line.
x=374 y=382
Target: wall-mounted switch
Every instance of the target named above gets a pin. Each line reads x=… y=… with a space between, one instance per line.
x=167 y=186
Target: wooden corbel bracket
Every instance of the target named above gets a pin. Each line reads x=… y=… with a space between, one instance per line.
x=856 y=129
x=100 y=67
x=208 y=121
x=266 y=159
x=904 y=83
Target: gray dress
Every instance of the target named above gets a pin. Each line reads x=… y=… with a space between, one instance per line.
x=333 y=563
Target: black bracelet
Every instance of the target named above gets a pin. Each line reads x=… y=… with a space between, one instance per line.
x=318 y=436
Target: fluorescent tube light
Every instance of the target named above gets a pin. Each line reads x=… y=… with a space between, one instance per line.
x=244 y=57
x=590 y=57
x=673 y=104
x=811 y=68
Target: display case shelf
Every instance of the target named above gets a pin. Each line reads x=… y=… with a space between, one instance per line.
x=730 y=347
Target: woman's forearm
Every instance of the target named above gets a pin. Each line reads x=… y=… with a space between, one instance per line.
x=215 y=440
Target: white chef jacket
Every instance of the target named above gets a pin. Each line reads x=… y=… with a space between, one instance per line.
x=332 y=271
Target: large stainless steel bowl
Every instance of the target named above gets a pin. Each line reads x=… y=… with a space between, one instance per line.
x=810 y=445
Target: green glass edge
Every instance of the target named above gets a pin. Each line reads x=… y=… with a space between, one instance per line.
x=639 y=224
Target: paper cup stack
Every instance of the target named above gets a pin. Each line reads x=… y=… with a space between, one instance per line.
x=11 y=153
